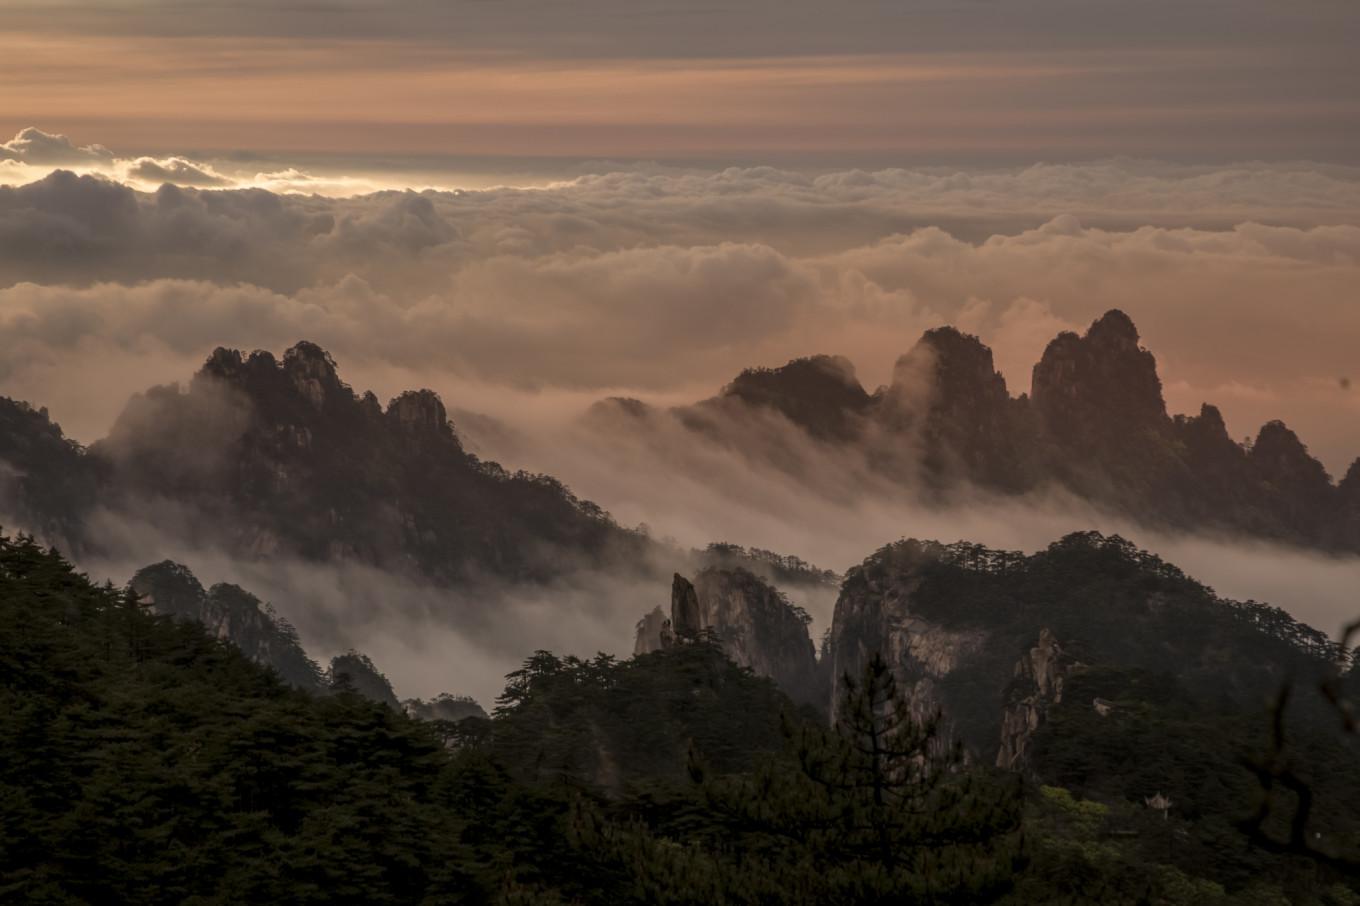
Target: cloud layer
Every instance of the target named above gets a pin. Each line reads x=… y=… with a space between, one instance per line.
x=664 y=283
x=523 y=306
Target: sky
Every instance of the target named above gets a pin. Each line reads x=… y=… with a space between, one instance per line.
x=529 y=205
x=943 y=81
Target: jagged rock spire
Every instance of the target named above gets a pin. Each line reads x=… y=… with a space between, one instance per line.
x=1084 y=384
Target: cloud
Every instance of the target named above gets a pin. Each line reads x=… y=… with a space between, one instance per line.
x=175 y=170
x=33 y=146
x=657 y=283
x=833 y=512
x=662 y=283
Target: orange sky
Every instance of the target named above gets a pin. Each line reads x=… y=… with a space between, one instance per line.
x=172 y=93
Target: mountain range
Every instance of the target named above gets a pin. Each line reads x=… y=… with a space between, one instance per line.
x=1093 y=426
x=264 y=456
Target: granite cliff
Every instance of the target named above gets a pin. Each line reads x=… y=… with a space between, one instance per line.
x=752 y=621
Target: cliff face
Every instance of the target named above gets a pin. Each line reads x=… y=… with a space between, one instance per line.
x=753 y=622
x=875 y=614
x=959 y=624
x=233 y=615
x=1040 y=676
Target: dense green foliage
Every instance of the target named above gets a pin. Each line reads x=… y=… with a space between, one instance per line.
x=142 y=761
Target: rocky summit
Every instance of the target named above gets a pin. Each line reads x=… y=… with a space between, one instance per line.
x=266 y=456
x=1095 y=425
x=751 y=620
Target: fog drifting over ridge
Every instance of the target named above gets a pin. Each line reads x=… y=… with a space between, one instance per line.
x=663 y=282
x=523 y=305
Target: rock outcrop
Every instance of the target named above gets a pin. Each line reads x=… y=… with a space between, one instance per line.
x=970 y=429
x=949 y=620
x=354 y=672
x=1039 y=678
x=819 y=394
x=875 y=614
x=751 y=620
x=1082 y=384
x=233 y=615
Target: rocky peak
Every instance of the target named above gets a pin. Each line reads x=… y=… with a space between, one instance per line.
x=312 y=371
x=1040 y=676
x=171 y=588
x=653 y=632
x=1282 y=457
x=223 y=362
x=231 y=614
x=1350 y=484
x=752 y=621
x=1114 y=330
x=1211 y=451
x=819 y=393
x=1086 y=385
x=419 y=413
x=305 y=381
x=1346 y=527
x=1210 y=422
x=355 y=672
x=948 y=392
x=687 y=619
x=961 y=365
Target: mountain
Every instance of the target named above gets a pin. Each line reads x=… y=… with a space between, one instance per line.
x=961 y=622
x=1095 y=424
x=267 y=456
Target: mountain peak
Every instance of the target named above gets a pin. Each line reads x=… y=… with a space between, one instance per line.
x=308 y=358
x=819 y=393
x=419 y=412
x=822 y=372
x=1114 y=328
x=960 y=362
x=1281 y=455
x=1099 y=385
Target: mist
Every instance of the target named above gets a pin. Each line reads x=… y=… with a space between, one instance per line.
x=524 y=304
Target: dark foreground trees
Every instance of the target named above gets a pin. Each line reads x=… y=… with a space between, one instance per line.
x=879 y=808
x=142 y=761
